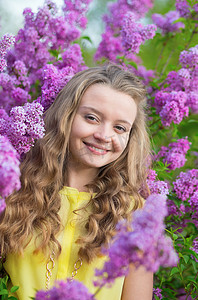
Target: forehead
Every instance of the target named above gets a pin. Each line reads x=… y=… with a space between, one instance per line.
x=109 y=101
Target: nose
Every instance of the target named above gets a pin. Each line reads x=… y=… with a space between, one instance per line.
x=103 y=134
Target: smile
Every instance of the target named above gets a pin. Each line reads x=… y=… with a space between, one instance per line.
x=96 y=150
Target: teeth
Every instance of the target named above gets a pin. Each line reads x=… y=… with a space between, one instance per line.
x=97 y=149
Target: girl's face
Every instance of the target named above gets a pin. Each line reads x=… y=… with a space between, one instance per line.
x=101 y=127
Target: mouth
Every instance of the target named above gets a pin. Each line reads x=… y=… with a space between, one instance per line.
x=96 y=149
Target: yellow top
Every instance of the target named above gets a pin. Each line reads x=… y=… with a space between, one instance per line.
x=29 y=271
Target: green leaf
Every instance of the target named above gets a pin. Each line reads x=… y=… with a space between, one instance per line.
x=4 y=292
x=174 y=236
x=12 y=298
x=186 y=258
x=174 y=271
x=133 y=64
x=87 y=38
x=14 y=289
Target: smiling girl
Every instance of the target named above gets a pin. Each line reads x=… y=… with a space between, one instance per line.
x=77 y=183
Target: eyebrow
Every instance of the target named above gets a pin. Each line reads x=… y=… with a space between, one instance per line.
x=101 y=114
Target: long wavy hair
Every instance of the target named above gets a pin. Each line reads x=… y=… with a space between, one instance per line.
x=33 y=211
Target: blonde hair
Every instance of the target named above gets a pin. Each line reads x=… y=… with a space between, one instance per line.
x=35 y=207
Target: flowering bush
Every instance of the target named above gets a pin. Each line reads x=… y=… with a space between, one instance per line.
x=47 y=52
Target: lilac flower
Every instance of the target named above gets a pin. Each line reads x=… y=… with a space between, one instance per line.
x=146 y=75
x=72 y=57
x=171 y=106
x=192 y=101
x=178 y=81
x=23 y=126
x=189 y=58
x=174 y=154
x=157 y=292
x=9 y=170
x=76 y=10
x=110 y=47
x=194 y=200
x=186 y=184
x=144 y=245
x=183 y=7
x=195 y=248
x=156 y=186
x=5 y=43
x=166 y=22
x=54 y=80
x=134 y=34
x=62 y=290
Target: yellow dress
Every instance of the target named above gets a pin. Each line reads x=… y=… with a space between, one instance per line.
x=29 y=271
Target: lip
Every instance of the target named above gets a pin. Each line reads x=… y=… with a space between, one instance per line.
x=94 y=151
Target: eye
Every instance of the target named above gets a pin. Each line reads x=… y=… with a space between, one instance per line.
x=91 y=118
x=120 y=128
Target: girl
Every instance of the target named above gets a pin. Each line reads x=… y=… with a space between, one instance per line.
x=77 y=183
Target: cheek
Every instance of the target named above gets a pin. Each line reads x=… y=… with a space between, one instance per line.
x=120 y=142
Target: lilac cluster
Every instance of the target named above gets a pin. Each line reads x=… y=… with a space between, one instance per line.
x=9 y=170
x=110 y=47
x=62 y=290
x=144 y=244
x=54 y=80
x=174 y=154
x=189 y=58
x=45 y=36
x=165 y=22
x=76 y=11
x=171 y=106
x=24 y=125
x=11 y=93
x=186 y=189
x=134 y=34
x=184 y=82
x=186 y=184
x=195 y=248
x=185 y=9
x=5 y=43
x=157 y=292
x=121 y=18
x=156 y=186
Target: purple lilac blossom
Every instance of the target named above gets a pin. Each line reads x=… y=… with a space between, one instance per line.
x=157 y=292
x=185 y=9
x=62 y=290
x=76 y=11
x=189 y=58
x=174 y=154
x=9 y=170
x=119 y=9
x=195 y=248
x=72 y=57
x=165 y=22
x=24 y=125
x=143 y=244
x=111 y=44
x=44 y=34
x=177 y=81
x=110 y=47
x=193 y=101
x=54 y=80
x=146 y=75
x=5 y=43
x=171 y=106
x=134 y=34
x=194 y=200
x=186 y=184
x=156 y=186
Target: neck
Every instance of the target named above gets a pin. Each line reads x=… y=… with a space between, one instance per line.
x=78 y=178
